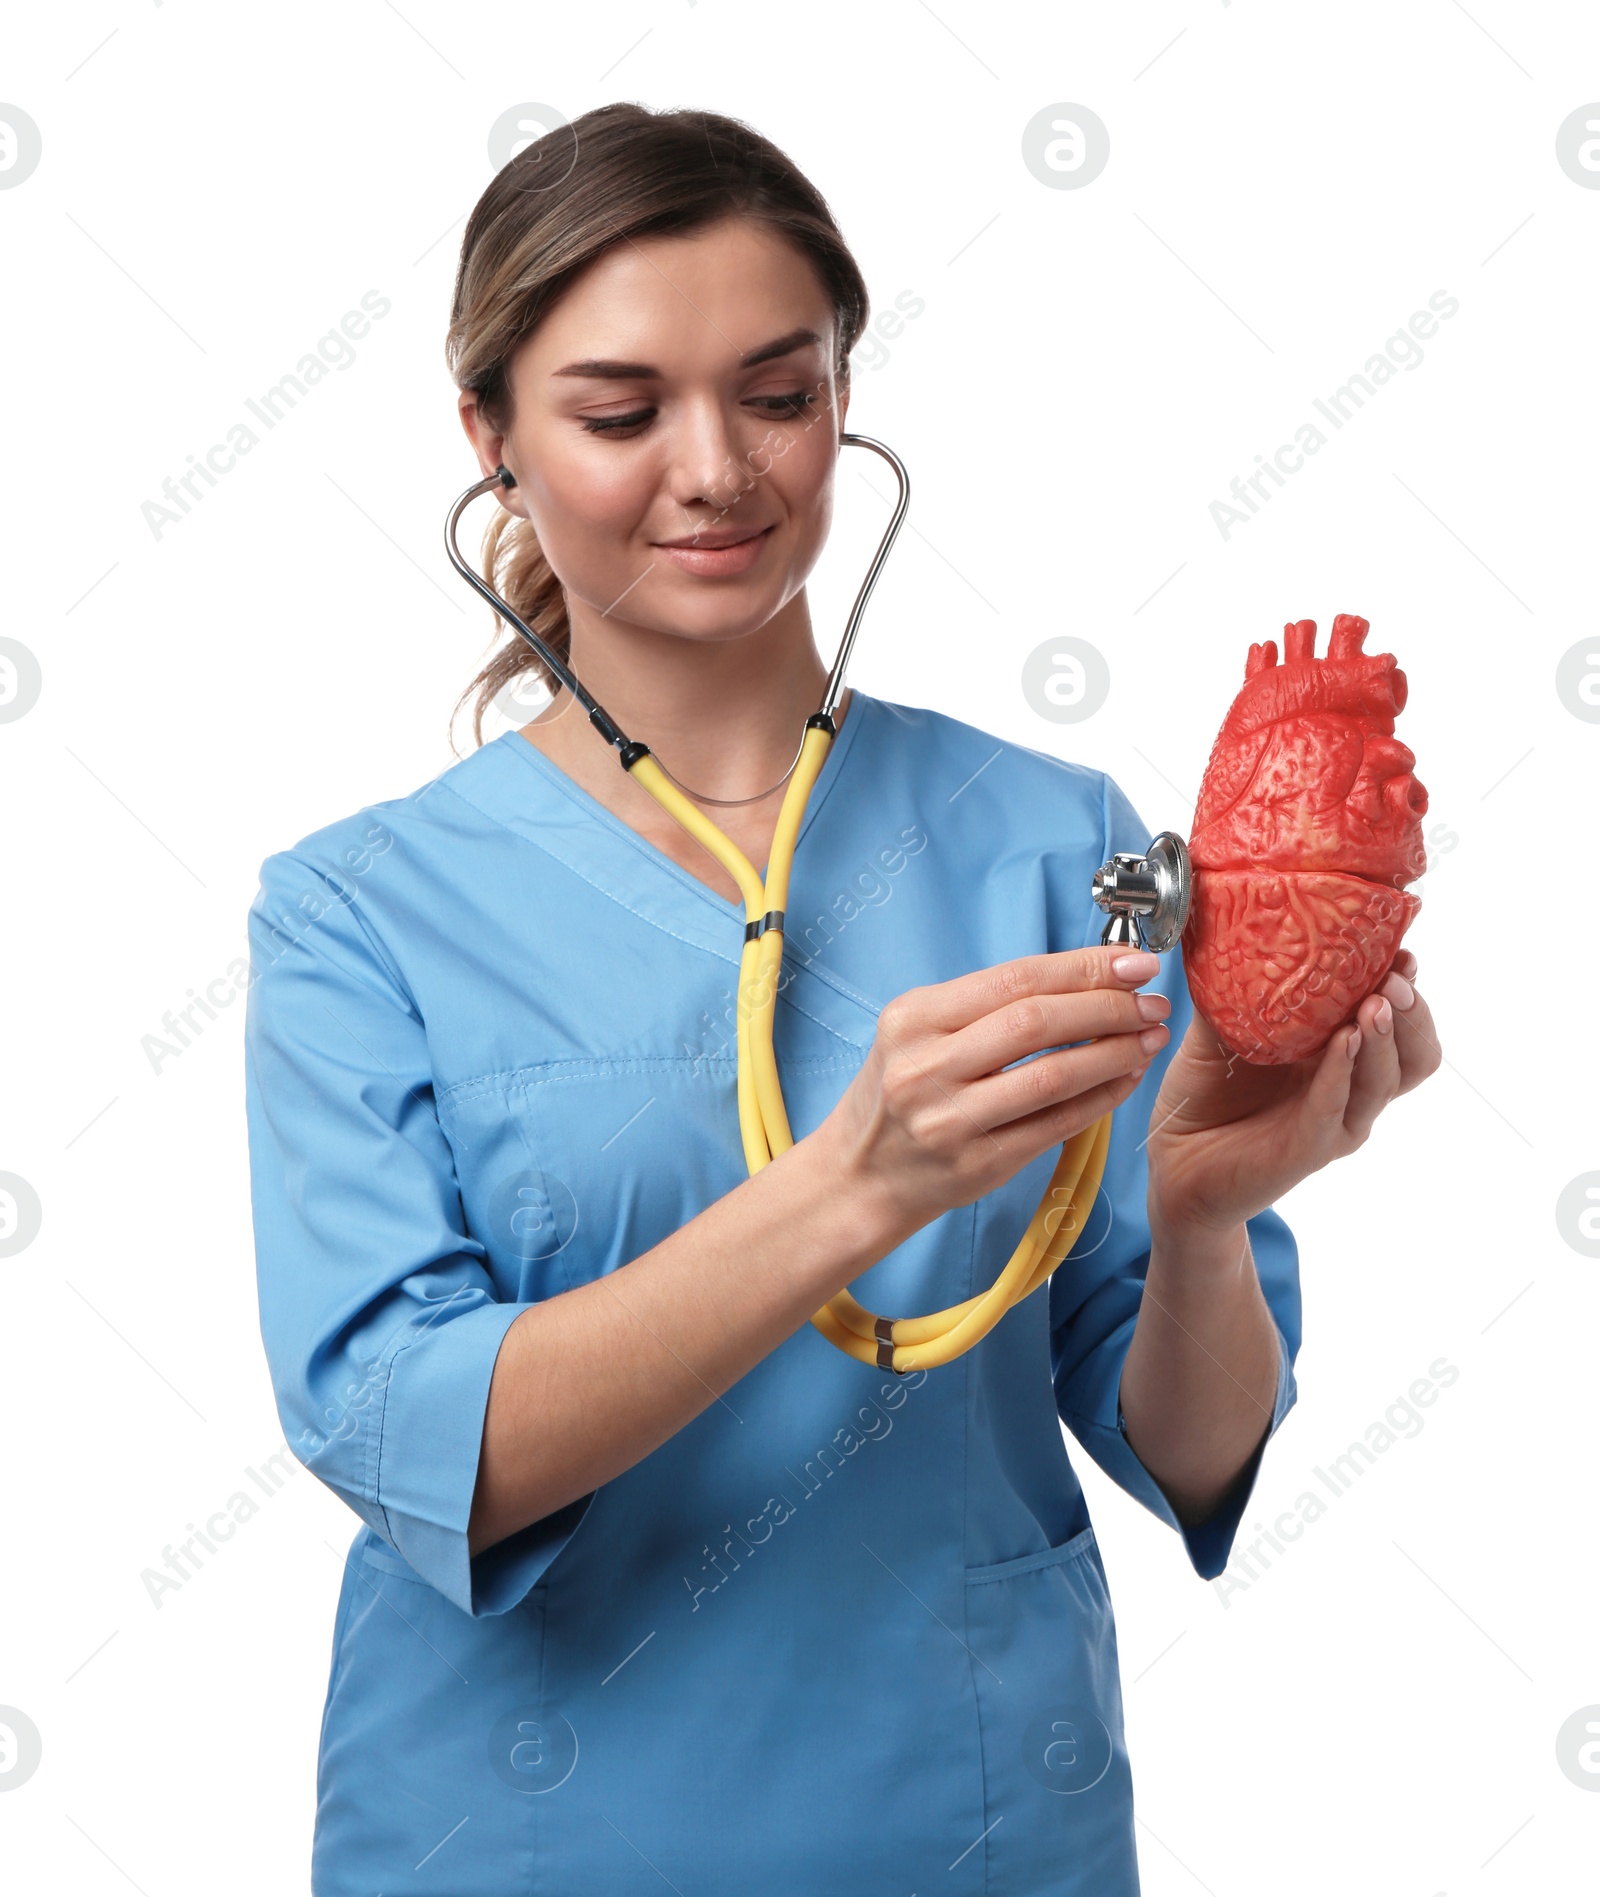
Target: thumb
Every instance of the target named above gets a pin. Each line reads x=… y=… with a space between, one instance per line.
x=1203 y=1043
x=1329 y=1093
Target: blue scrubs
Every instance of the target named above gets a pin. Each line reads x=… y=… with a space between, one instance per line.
x=845 y=1632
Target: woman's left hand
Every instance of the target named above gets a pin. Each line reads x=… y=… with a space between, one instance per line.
x=1228 y=1138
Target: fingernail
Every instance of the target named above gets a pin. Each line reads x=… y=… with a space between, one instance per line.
x=1152 y=1038
x=1352 y=1042
x=1383 y=1019
x=1399 y=990
x=1138 y=965
x=1153 y=1007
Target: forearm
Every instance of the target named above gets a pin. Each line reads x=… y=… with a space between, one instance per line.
x=1201 y=1373
x=589 y=1382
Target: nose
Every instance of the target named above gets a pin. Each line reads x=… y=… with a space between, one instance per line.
x=705 y=468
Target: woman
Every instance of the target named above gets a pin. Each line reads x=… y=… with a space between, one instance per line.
x=655 y=1584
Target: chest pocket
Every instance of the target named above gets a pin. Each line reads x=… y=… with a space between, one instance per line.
x=569 y=1168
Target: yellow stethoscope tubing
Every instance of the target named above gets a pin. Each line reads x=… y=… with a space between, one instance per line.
x=903 y=1344
x=914 y=1342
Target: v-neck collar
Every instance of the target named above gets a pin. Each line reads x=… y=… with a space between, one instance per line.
x=514 y=783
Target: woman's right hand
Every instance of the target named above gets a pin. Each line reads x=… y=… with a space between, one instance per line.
x=932 y=1122
x=581 y=1393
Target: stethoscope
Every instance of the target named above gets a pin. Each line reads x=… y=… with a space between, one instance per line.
x=1146 y=899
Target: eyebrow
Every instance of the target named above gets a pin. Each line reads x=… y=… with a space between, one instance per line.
x=613 y=371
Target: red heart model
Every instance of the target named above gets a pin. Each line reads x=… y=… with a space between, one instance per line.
x=1309 y=823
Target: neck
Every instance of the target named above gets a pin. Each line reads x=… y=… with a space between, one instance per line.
x=723 y=715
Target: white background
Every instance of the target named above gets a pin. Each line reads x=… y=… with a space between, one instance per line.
x=1093 y=366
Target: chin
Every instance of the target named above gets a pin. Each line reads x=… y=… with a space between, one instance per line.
x=696 y=611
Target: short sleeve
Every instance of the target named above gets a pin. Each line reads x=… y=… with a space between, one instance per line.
x=1095 y=1294
x=380 y=1320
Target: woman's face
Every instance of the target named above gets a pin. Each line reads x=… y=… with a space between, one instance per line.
x=676 y=430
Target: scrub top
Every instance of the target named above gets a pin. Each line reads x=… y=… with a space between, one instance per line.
x=845 y=1632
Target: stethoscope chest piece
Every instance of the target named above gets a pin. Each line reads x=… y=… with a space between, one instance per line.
x=1146 y=897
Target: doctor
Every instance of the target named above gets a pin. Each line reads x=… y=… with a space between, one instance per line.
x=654 y=1586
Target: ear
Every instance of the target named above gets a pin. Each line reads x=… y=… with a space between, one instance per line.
x=491 y=449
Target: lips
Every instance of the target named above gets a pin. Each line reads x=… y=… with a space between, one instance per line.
x=721 y=553
x=1309 y=823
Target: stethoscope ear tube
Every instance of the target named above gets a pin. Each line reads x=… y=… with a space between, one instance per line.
x=603 y=723
x=830 y=698
x=503 y=478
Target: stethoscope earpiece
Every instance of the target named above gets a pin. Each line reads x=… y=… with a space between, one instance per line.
x=506 y=477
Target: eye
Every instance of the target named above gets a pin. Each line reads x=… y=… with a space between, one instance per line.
x=795 y=404
x=612 y=424
x=618 y=425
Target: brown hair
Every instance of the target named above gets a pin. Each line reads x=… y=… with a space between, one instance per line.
x=618 y=172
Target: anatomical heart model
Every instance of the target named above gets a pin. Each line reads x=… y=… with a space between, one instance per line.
x=1309 y=824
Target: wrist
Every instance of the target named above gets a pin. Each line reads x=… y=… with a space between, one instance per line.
x=1196 y=1248
x=853 y=1192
